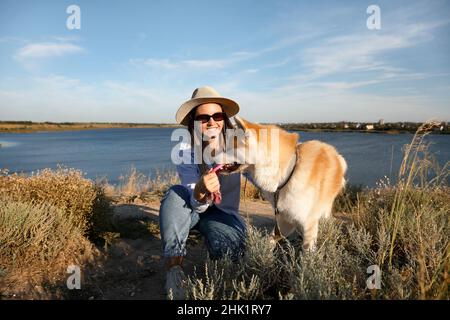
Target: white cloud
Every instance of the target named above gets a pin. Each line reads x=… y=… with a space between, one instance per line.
x=12 y=40
x=222 y=62
x=182 y=64
x=57 y=81
x=361 y=52
x=341 y=85
x=154 y=63
x=213 y=63
x=47 y=50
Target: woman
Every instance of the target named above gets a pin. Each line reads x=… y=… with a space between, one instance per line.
x=191 y=204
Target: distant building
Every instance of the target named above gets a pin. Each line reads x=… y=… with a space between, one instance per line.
x=369 y=126
x=343 y=125
x=381 y=122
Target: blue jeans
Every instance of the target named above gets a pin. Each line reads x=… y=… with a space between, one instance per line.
x=224 y=233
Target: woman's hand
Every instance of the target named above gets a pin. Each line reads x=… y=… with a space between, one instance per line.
x=208 y=183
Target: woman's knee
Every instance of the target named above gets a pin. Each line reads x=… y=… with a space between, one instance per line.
x=175 y=206
x=176 y=195
x=230 y=243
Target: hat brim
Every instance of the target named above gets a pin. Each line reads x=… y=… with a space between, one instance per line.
x=229 y=106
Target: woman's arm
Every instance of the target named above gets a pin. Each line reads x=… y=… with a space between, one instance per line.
x=189 y=176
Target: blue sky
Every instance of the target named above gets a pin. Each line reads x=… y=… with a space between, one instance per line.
x=282 y=61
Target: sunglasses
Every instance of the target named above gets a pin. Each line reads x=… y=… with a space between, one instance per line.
x=204 y=118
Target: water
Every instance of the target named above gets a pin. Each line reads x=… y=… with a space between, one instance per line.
x=111 y=152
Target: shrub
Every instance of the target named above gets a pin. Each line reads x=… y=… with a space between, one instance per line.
x=80 y=199
x=45 y=219
x=37 y=243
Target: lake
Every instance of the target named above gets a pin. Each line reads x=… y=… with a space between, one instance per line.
x=111 y=152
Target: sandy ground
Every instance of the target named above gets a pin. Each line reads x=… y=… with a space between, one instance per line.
x=134 y=268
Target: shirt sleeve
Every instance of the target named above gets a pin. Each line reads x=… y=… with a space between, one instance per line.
x=189 y=175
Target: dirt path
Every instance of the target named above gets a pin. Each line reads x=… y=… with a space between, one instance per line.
x=134 y=268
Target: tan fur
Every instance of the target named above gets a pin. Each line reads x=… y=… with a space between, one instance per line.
x=316 y=181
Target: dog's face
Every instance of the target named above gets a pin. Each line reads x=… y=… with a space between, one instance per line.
x=249 y=142
x=238 y=146
x=257 y=144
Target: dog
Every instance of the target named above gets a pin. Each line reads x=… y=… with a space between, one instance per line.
x=301 y=181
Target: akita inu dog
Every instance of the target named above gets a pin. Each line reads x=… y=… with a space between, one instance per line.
x=300 y=180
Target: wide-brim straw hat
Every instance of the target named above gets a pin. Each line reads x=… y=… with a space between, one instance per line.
x=205 y=95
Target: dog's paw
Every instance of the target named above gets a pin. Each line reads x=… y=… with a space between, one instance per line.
x=309 y=247
x=273 y=241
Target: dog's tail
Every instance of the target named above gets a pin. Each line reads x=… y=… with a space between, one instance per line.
x=344 y=167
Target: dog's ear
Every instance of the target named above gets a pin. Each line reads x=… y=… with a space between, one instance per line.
x=241 y=123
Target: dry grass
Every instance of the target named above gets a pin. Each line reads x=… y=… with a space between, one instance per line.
x=338 y=269
x=404 y=229
x=81 y=199
x=37 y=244
x=249 y=191
x=136 y=185
x=45 y=219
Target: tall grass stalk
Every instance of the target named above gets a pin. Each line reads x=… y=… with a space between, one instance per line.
x=412 y=166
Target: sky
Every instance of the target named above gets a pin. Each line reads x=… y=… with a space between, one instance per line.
x=282 y=61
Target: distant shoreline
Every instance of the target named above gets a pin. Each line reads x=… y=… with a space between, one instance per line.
x=31 y=127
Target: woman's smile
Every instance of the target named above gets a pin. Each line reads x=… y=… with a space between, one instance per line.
x=212 y=132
